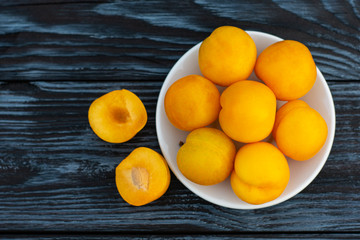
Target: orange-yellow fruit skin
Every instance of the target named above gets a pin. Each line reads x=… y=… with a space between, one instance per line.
x=301 y=133
x=228 y=55
x=284 y=109
x=288 y=68
x=207 y=157
x=117 y=116
x=248 y=111
x=261 y=173
x=192 y=102
x=142 y=177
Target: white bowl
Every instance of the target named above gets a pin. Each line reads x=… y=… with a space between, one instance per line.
x=301 y=173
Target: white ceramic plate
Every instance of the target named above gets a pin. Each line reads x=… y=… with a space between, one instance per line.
x=301 y=173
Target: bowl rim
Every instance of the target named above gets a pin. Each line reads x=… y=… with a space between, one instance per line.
x=220 y=202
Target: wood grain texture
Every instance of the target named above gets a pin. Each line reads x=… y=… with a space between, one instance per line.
x=111 y=236
x=141 y=40
x=58 y=176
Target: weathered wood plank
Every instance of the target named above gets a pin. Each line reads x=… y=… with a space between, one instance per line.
x=58 y=176
x=258 y=236
x=141 y=40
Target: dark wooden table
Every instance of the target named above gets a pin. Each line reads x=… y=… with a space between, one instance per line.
x=57 y=177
